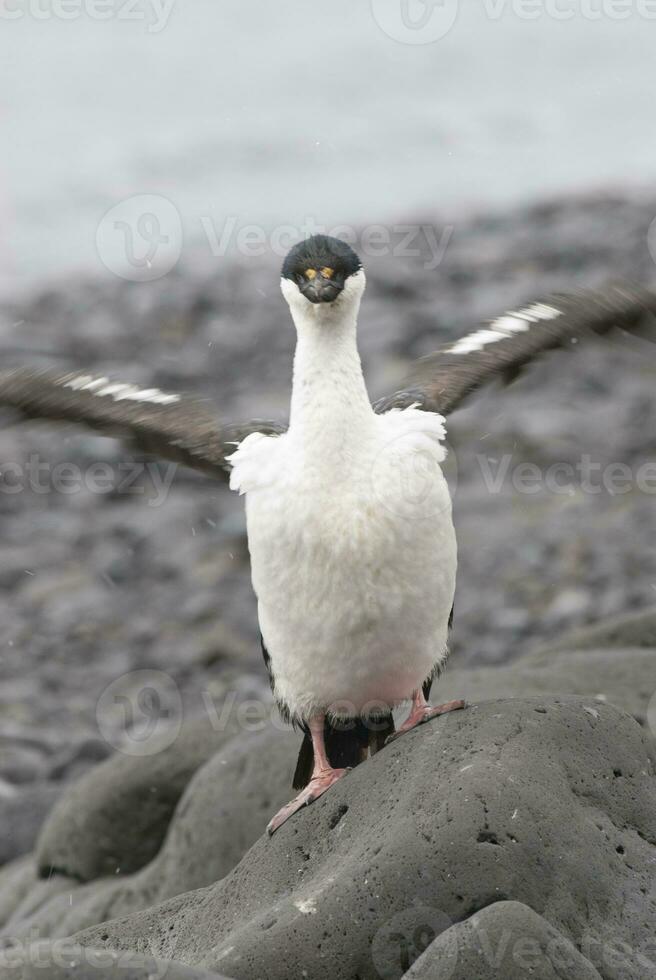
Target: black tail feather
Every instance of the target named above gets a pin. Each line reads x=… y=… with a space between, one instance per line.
x=382 y=732
x=347 y=744
x=304 y=764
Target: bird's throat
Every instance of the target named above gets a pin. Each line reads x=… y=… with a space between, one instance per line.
x=330 y=406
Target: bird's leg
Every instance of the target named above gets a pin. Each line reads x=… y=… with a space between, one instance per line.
x=421 y=711
x=323 y=776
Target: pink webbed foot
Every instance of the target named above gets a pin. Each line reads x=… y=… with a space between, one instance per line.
x=424 y=712
x=314 y=789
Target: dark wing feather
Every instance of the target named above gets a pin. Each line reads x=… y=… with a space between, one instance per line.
x=428 y=683
x=175 y=427
x=184 y=429
x=440 y=381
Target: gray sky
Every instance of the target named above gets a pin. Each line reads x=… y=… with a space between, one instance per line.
x=269 y=114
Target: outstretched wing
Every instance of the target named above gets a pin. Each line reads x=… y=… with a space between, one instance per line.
x=175 y=427
x=501 y=348
x=184 y=429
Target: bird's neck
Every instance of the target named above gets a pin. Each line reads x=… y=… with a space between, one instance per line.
x=330 y=406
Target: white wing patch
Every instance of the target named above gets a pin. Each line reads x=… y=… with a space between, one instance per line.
x=119 y=392
x=255 y=463
x=504 y=327
x=410 y=430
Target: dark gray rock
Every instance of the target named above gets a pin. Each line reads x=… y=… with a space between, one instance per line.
x=540 y=801
x=66 y=961
x=23 y=764
x=32 y=893
x=637 y=629
x=22 y=815
x=625 y=678
x=223 y=811
x=505 y=941
x=17 y=879
x=113 y=821
x=72 y=761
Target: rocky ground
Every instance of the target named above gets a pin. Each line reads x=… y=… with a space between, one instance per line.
x=126 y=601
x=516 y=838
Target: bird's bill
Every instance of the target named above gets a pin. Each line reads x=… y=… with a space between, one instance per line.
x=321 y=286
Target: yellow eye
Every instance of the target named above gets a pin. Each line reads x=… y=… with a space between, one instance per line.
x=327 y=272
x=310 y=273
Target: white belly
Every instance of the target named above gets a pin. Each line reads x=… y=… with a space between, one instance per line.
x=355 y=585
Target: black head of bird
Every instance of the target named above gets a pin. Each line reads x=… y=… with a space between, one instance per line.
x=320 y=269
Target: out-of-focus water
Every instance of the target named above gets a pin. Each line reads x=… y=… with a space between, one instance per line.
x=250 y=112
